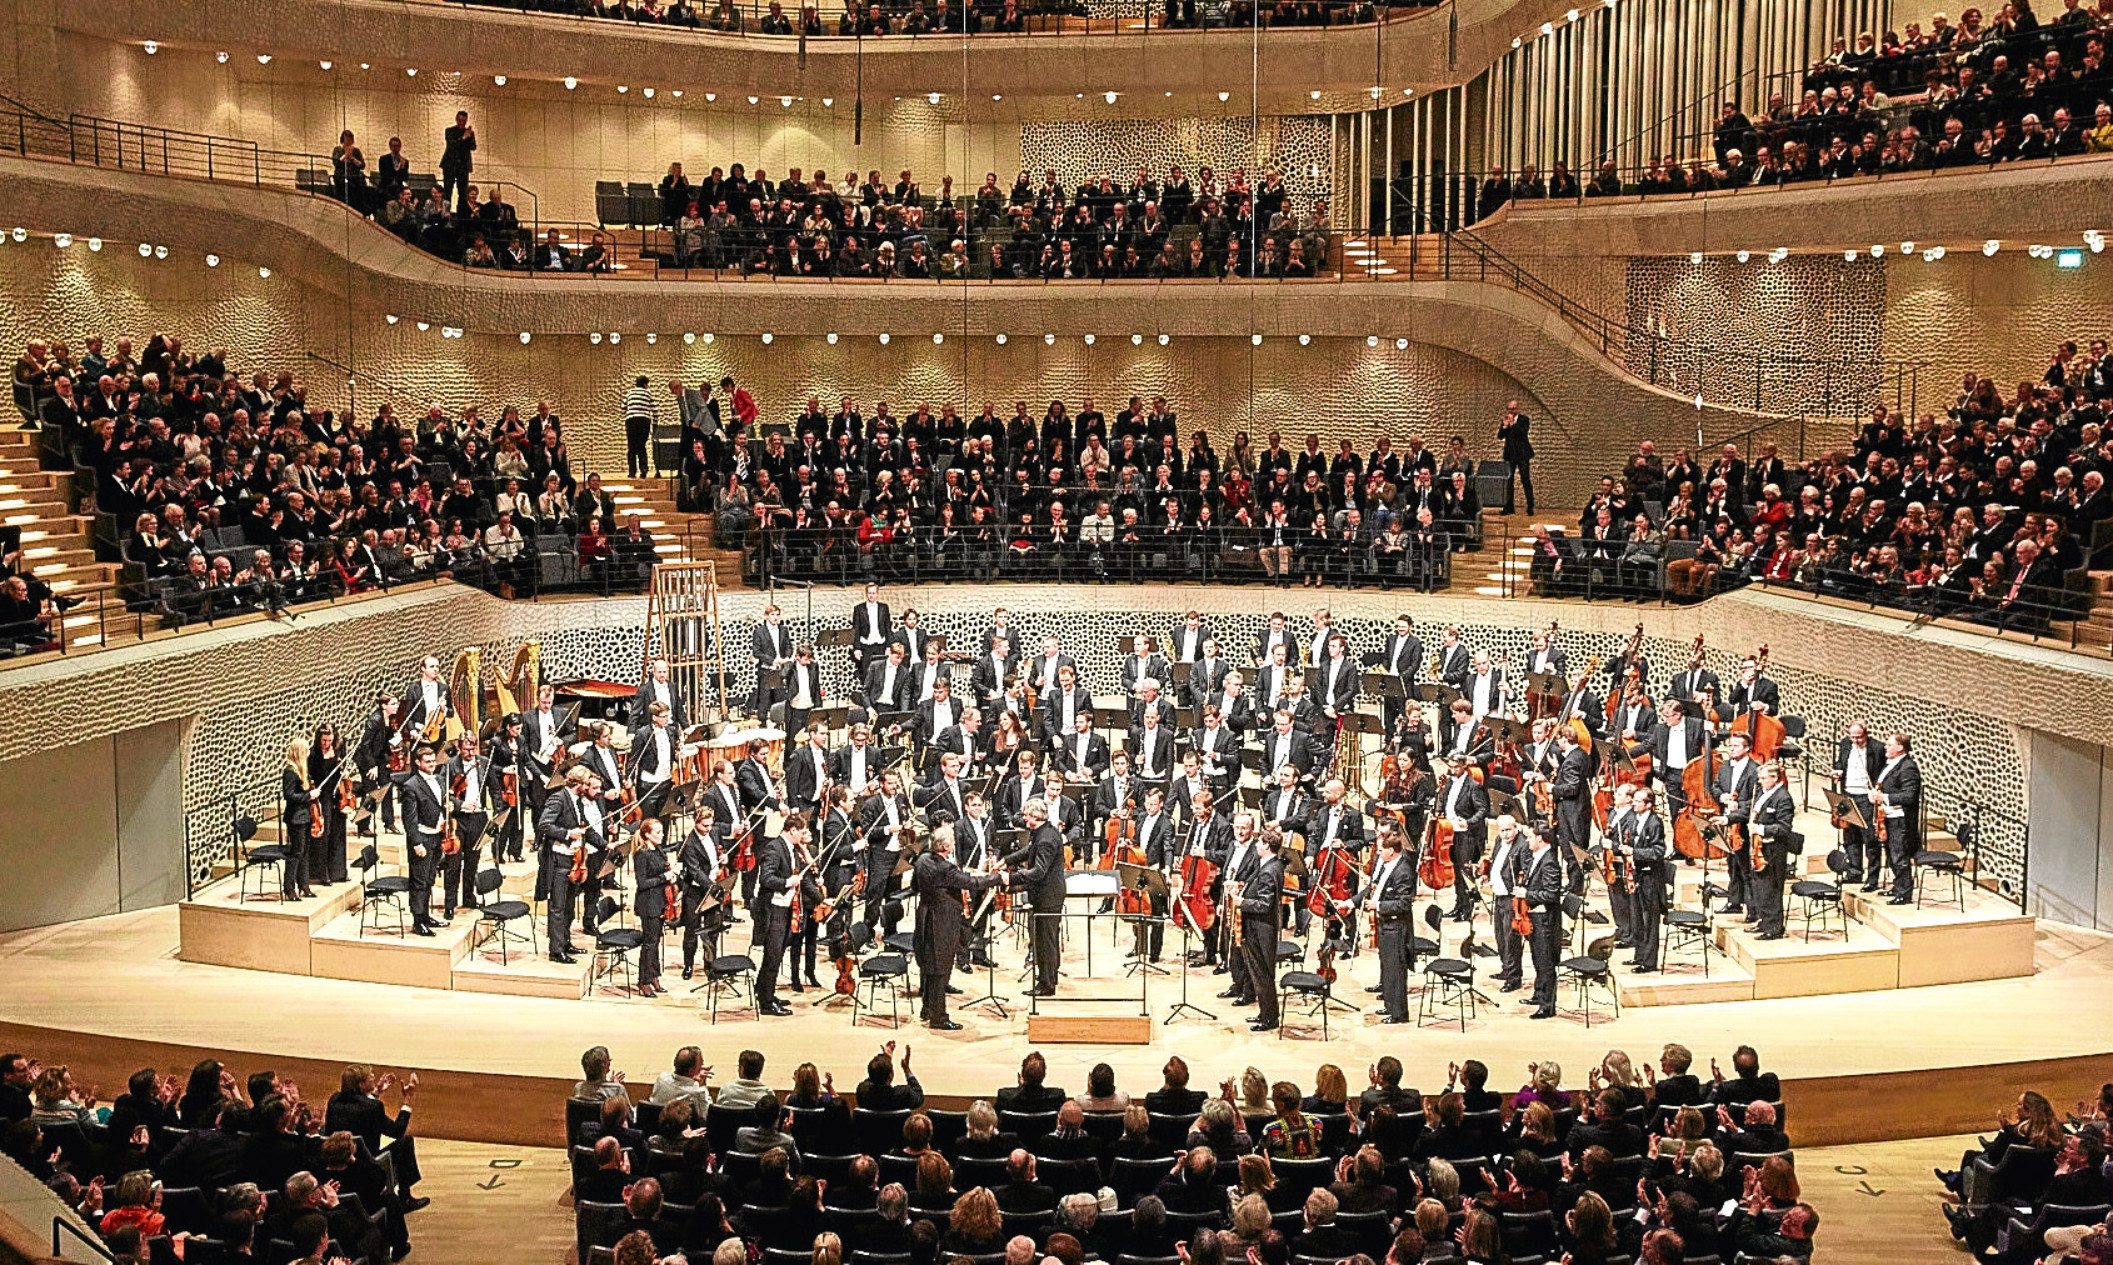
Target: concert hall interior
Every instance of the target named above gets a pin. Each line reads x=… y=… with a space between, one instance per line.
x=1297 y=632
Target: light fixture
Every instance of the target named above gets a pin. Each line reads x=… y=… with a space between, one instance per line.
x=675 y=93
x=710 y=97
x=709 y=338
x=213 y=261
x=1571 y=16
x=1305 y=339
x=152 y=47
x=2038 y=252
x=1779 y=254
x=1933 y=254
x=1371 y=340
x=648 y=92
x=161 y=252
x=689 y=338
x=768 y=339
x=652 y=339
x=2069 y=257
x=410 y=72
x=499 y=80
x=1698 y=401
x=753 y=100
x=221 y=57
x=622 y=88
x=1225 y=96
x=938 y=339
x=1849 y=256
x=932 y=97
x=1991 y=246
x=95 y=244
x=325 y=65
x=146 y=249
x=423 y=326
x=831 y=338
x=1907 y=248
x=264 y=59
x=595 y=337
x=392 y=317
x=1878 y=250
x=1516 y=41
x=1694 y=257
x=829 y=102
x=1164 y=339
x=1743 y=256
x=1547 y=28
x=786 y=102
x=22 y=235
x=1137 y=340
x=997 y=96
x=1401 y=344
x=366 y=66
x=1049 y=340
x=1109 y=95
x=1089 y=340
x=1001 y=340
x=885 y=338
x=263 y=272
x=571 y=83
x=524 y=338
x=1254 y=340
x=62 y=240
x=1314 y=95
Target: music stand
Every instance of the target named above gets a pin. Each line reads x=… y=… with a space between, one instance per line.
x=1850 y=811
x=1506 y=729
x=1180 y=672
x=1438 y=692
x=832 y=718
x=1250 y=796
x=832 y=638
x=1149 y=880
x=990 y=996
x=1189 y=931
x=1384 y=685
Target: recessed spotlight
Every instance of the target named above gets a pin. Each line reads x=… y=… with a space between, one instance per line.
x=1109 y=96
x=213 y=261
x=1001 y=340
x=1371 y=340
x=689 y=338
x=1849 y=256
x=1401 y=344
x=161 y=252
x=997 y=96
x=410 y=72
x=152 y=47
x=571 y=83
x=220 y=57
x=652 y=339
x=768 y=339
x=62 y=240
x=1304 y=339
x=1254 y=340
x=1572 y=15
x=146 y=249
x=95 y=244
x=1991 y=246
x=1907 y=248
x=622 y=88
x=264 y=59
x=1743 y=256
x=423 y=326
x=885 y=339
x=392 y=318
x=675 y=93
x=829 y=103
x=264 y=272
x=1547 y=28
x=1694 y=257
x=831 y=338
x=1314 y=95
x=932 y=97
x=753 y=100
x=524 y=337
x=1089 y=340
x=1164 y=339
x=499 y=81
x=1049 y=340
x=648 y=92
x=710 y=97
x=786 y=102
x=1517 y=42
x=594 y=337
x=366 y=66
x=325 y=65
x=938 y=339
x=709 y=338
x=1225 y=96
x=1878 y=250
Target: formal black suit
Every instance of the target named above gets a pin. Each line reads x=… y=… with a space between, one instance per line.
x=1341 y=692
x=364 y=1117
x=650 y=692
x=697 y=867
x=1050 y=710
x=1763 y=691
x=1466 y=799
x=1260 y=896
x=939 y=884
x=1572 y=789
x=1768 y=829
x=1865 y=854
x=1543 y=886
x=1686 y=684
x=560 y=816
x=1039 y=871
x=869 y=632
x=424 y=816
x=1900 y=781
x=1087 y=767
x=1152 y=752
x=776 y=874
x=653 y=878
x=1183 y=646
x=1296 y=749
x=1392 y=899
x=1735 y=786
x=1647 y=903
x=806 y=768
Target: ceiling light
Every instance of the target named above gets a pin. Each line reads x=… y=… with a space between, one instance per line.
x=689 y=338
x=524 y=337
x=1255 y=339
x=1137 y=340
x=652 y=339
x=1304 y=339
x=753 y=100
x=1779 y=254
x=675 y=93
x=161 y=252
x=786 y=102
x=1516 y=41
x=1049 y=340
x=938 y=339
x=932 y=97
x=423 y=326
x=595 y=337
x=1001 y=340
x=62 y=240
x=392 y=318
x=768 y=339
x=325 y=65
x=1164 y=339
x=997 y=96
x=829 y=102
x=264 y=59
x=1315 y=94
x=1109 y=96
x=1991 y=246
x=264 y=272
x=410 y=72
x=831 y=338
x=1571 y=16
x=884 y=339
x=710 y=97
x=95 y=243
x=1401 y=344
x=213 y=261
x=1849 y=256
x=1547 y=28
x=709 y=338
x=220 y=57
x=1907 y=248
x=1694 y=257
x=22 y=235
x=366 y=66
x=146 y=249
x=499 y=80
x=622 y=88
x=1743 y=256
x=1878 y=250
x=152 y=47
x=1371 y=340
x=648 y=92
x=571 y=83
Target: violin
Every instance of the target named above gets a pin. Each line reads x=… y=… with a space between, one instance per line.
x=846 y=981
x=1521 y=916
x=673 y=912
x=449 y=844
x=1630 y=672
x=826 y=908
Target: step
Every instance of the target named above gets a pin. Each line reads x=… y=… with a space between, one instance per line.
x=1685 y=985
x=521 y=970
x=1988 y=939
x=381 y=956
x=1861 y=962
x=217 y=927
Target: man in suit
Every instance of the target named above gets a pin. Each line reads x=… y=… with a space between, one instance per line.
x=425 y=697
x=1571 y=788
x=993 y=674
x=939 y=713
x=422 y=803
x=1207 y=674
x=1038 y=869
x=1754 y=692
x=1696 y=686
x=1390 y=900
x=870 y=626
x=857 y=763
x=1260 y=895
x=469 y=782
x=1272 y=637
x=656 y=688
x=1675 y=742
x=1768 y=830
x=1464 y=803
x=1338 y=679
x=1143 y=664
x=1216 y=745
x=770 y=647
x=1737 y=779
x=1152 y=746
x=1185 y=643
x=1899 y=796
x=561 y=830
x=653 y=878
x=779 y=879
x=1645 y=847
x=1514 y=430
x=1284 y=744
x=1082 y=753
x=696 y=869
x=915 y=640
x=803 y=690
x=1455 y=661
x=1334 y=822
x=1060 y=712
x=1857 y=764
x=457 y=144
x=881 y=819
x=1541 y=880
x=1274 y=676
x=940 y=885
x=1031 y=1093
x=1044 y=671
x=945 y=797
x=357 y=1109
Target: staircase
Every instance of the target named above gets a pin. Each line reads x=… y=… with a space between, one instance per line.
x=678 y=536
x=2095 y=629
x=56 y=542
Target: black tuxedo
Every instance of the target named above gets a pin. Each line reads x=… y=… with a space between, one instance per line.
x=1051 y=709
x=1692 y=681
x=939 y=882
x=1392 y=901
x=1039 y=869
x=424 y=814
x=1152 y=752
x=1260 y=895
x=648 y=692
x=1762 y=691
x=1342 y=695
x=1182 y=646
x=883 y=695
x=1295 y=749
x=869 y=632
x=1094 y=762
x=1900 y=781
x=1470 y=803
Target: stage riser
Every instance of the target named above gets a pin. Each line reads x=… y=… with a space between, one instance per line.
x=262 y=933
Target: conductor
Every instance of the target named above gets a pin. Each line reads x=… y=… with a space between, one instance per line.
x=940 y=886
x=1039 y=868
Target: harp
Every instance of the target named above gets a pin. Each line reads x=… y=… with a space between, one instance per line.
x=514 y=687
x=465 y=694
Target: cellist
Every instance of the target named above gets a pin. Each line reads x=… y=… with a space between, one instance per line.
x=1333 y=823
x=1463 y=805
x=1674 y=742
x=1754 y=692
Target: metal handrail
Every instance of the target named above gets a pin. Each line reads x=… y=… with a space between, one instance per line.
x=59 y=1223
x=1052 y=17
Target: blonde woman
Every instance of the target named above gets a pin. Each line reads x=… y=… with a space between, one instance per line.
x=298 y=797
x=828 y=1250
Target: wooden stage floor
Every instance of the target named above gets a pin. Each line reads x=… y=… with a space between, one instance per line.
x=111 y=994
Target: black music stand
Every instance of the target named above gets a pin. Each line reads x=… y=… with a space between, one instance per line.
x=1438 y=692
x=1149 y=880
x=1849 y=810
x=1384 y=685
x=1189 y=932
x=990 y=996
x=1179 y=673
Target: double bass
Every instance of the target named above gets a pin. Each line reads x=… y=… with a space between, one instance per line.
x=1764 y=733
x=1618 y=688
x=1331 y=882
x=1692 y=831
x=1121 y=849
x=1435 y=870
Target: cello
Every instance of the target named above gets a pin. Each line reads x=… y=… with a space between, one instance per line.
x=1618 y=687
x=1198 y=872
x=1692 y=832
x=1764 y=732
x=1121 y=849
x=1331 y=882
x=1435 y=870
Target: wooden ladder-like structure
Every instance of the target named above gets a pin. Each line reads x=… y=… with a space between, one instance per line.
x=682 y=626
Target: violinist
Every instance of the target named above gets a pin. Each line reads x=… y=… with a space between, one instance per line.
x=1404 y=658
x=856 y=766
x=427 y=697
x=1645 y=848
x=1236 y=708
x=946 y=794
x=1734 y=788
x=542 y=746
x=1460 y=735
x=725 y=800
x=1537 y=766
x=654 y=752
x=1217 y=749
x=299 y=801
x=1541 y=882
x=380 y=742
x=422 y=800
x=965 y=740
x=784 y=876
x=326 y=849
x=469 y=782
x=941 y=887
x=1571 y=788
x=883 y=817
x=1081 y=752
x=1463 y=805
x=1754 y=692
x=651 y=880
x=807 y=768
x=506 y=761
x=601 y=760
x=1769 y=831
x=1021 y=787
x=759 y=792
x=697 y=864
x=1334 y=822
x=1504 y=860
x=1621 y=827
x=1857 y=761
x=562 y=830
x=1405 y=796
x=1283 y=806
x=1390 y=900
x=1187 y=785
